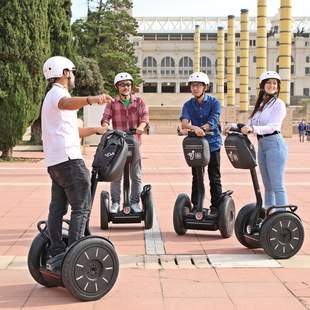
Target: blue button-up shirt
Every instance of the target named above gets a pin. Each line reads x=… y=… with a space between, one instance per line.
x=208 y=111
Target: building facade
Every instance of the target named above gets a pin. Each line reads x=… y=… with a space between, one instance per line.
x=165 y=53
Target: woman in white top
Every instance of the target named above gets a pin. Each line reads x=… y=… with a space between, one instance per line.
x=266 y=121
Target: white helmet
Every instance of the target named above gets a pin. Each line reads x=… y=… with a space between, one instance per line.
x=198 y=77
x=123 y=76
x=55 y=66
x=269 y=75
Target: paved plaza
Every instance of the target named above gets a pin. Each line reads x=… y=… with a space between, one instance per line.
x=158 y=269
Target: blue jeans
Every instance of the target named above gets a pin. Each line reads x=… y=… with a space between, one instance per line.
x=272 y=157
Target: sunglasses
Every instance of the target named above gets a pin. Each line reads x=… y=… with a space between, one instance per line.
x=124 y=84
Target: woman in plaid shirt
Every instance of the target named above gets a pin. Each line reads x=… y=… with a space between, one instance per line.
x=127 y=111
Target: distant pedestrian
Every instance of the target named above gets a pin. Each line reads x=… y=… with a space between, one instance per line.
x=308 y=131
x=302 y=130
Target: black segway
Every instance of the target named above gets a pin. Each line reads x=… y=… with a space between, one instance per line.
x=90 y=265
x=126 y=214
x=185 y=215
x=278 y=230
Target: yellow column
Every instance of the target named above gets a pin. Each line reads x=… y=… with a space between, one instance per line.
x=261 y=40
x=197 y=49
x=220 y=66
x=285 y=49
x=244 y=60
x=231 y=59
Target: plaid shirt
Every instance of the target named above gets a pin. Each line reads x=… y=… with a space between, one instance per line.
x=126 y=118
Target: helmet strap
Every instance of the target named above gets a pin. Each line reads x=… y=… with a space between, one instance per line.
x=124 y=96
x=198 y=97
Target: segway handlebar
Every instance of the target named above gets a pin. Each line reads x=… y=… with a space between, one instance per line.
x=191 y=133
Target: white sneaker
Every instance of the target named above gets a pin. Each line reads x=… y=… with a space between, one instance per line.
x=114 y=208
x=135 y=207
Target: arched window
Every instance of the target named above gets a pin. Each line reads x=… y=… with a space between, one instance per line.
x=167 y=66
x=185 y=66
x=149 y=66
x=205 y=65
x=292 y=65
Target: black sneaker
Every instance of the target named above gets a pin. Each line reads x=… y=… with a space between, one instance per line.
x=213 y=211
x=54 y=263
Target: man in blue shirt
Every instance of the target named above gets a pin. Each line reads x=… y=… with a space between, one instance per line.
x=201 y=113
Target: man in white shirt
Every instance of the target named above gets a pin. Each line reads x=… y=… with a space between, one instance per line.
x=63 y=158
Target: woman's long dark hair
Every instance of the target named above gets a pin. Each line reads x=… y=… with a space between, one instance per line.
x=263 y=97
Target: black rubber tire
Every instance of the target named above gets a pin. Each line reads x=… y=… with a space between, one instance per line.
x=37 y=256
x=104 y=210
x=241 y=223
x=181 y=207
x=147 y=203
x=226 y=218
x=282 y=235
x=90 y=268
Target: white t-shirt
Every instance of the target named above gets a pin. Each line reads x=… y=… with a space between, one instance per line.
x=60 y=133
x=269 y=119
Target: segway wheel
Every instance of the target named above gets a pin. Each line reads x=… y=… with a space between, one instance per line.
x=147 y=203
x=241 y=223
x=37 y=257
x=282 y=235
x=90 y=268
x=104 y=210
x=181 y=208
x=226 y=216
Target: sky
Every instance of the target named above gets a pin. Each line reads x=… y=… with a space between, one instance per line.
x=198 y=7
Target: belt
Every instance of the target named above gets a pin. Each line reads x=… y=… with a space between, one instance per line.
x=267 y=135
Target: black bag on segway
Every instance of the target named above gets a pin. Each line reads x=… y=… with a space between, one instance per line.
x=111 y=155
x=240 y=151
x=196 y=151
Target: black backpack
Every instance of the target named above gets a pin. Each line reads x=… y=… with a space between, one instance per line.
x=111 y=155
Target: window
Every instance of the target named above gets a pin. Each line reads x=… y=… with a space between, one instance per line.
x=149 y=66
x=162 y=36
x=187 y=36
x=168 y=87
x=292 y=89
x=174 y=37
x=210 y=88
x=254 y=59
x=307 y=59
x=238 y=59
x=307 y=70
x=150 y=87
x=184 y=88
x=167 y=66
x=237 y=90
x=205 y=64
x=185 y=66
x=148 y=37
x=306 y=92
x=238 y=70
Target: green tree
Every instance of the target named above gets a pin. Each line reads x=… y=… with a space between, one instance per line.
x=89 y=80
x=106 y=36
x=61 y=42
x=23 y=47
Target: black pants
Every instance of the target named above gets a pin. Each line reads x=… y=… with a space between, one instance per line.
x=70 y=185
x=214 y=179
